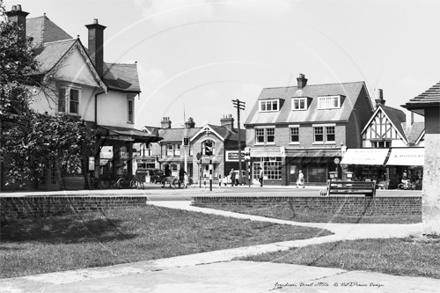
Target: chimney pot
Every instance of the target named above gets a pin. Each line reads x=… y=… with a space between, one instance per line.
x=18 y=16
x=379 y=97
x=19 y=7
x=95 y=21
x=96 y=45
x=14 y=8
x=227 y=121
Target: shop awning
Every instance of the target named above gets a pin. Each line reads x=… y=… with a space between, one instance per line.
x=365 y=157
x=406 y=157
x=128 y=134
x=294 y=153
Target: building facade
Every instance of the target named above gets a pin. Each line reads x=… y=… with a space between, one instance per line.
x=194 y=148
x=79 y=83
x=307 y=128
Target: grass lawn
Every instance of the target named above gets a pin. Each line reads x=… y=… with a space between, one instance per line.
x=311 y=216
x=35 y=246
x=403 y=257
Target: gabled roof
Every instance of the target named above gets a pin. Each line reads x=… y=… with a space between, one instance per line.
x=414 y=132
x=427 y=99
x=122 y=77
x=43 y=30
x=52 y=43
x=396 y=116
x=177 y=134
x=350 y=91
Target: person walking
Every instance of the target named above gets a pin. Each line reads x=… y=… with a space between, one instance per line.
x=300 y=180
x=182 y=173
x=260 y=176
x=232 y=175
x=167 y=176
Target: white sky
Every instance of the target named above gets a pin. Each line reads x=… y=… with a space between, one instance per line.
x=201 y=54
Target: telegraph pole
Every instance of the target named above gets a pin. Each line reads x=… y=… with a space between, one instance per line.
x=240 y=105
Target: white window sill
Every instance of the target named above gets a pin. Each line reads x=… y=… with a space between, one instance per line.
x=330 y=142
x=294 y=143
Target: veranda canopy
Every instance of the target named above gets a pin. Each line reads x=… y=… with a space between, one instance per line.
x=365 y=157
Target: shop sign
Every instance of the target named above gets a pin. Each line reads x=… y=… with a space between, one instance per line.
x=119 y=137
x=145 y=160
x=232 y=156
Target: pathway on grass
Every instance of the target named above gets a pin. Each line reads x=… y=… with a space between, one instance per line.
x=342 y=231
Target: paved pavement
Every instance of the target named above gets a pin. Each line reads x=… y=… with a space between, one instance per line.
x=217 y=271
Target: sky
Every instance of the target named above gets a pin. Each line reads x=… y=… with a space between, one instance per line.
x=195 y=56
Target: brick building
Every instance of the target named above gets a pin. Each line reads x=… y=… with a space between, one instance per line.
x=218 y=143
x=306 y=127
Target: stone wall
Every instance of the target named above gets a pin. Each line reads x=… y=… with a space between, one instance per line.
x=341 y=205
x=41 y=206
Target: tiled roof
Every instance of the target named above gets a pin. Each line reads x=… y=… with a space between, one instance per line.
x=177 y=134
x=123 y=77
x=351 y=91
x=51 y=43
x=43 y=30
x=396 y=116
x=427 y=99
x=49 y=54
x=414 y=131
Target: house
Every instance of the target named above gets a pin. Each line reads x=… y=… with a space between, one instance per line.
x=194 y=148
x=306 y=127
x=81 y=84
x=390 y=147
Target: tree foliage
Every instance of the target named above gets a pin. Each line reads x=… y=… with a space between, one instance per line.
x=32 y=142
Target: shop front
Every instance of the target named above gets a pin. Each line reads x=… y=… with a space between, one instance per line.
x=408 y=163
x=272 y=161
x=115 y=157
x=315 y=164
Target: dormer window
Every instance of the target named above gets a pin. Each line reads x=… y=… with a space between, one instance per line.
x=299 y=104
x=269 y=106
x=330 y=102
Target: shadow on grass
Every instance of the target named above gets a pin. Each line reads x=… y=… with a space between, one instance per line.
x=64 y=230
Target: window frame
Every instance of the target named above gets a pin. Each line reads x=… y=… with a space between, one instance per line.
x=67 y=103
x=130 y=110
x=269 y=104
x=291 y=135
x=315 y=128
x=169 y=149
x=327 y=134
x=177 y=150
x=328 y=102
x=203 y=144
x=265 y=135
x=304 y=100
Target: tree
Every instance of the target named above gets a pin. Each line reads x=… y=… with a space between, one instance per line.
x=32 y=142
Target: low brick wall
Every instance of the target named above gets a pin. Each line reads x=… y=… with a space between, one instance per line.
x=41 y=206
x=341 y=205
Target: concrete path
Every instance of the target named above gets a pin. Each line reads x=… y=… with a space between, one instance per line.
x=217 y=271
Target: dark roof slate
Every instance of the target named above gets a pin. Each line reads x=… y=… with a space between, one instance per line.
x=123 y=77
x=396 y=116
x=414 y=131
x=49 y=54
x=43 y=30
x=177 y=134
x=350 y=90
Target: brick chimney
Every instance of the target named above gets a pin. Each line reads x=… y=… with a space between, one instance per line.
x=379 y=98
x=19 y=17
x=302 y=81
x=96 y=45
x=166 y=123
x=227 y=121
x=190 y=123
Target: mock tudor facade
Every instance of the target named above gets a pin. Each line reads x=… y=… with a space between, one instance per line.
x=307 y=128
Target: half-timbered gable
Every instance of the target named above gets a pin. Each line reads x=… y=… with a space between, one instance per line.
x=385 y=129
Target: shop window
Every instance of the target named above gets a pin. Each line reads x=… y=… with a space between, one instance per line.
x=265 y=135
x=272 y=168
x=294 y=134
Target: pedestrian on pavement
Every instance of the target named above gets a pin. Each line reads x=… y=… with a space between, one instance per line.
x=260 y=176
x=182 y=174
x=167 y=176
x=232 y=175
x=300 y=180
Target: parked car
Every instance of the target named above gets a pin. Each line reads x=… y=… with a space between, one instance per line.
x=156 y=176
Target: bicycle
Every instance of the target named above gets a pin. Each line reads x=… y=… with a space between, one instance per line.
x=106 y=181
x=129 y=181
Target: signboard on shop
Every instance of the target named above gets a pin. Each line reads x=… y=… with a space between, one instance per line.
x=232 y=156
